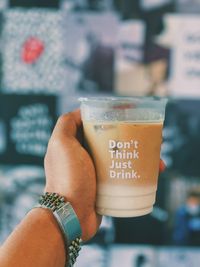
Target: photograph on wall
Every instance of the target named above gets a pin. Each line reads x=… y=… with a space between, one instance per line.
x=26 y=127
x=89 y=51
x=32 y=51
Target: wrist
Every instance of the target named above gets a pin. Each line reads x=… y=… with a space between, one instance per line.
x=48 y=227
x=45 y=218
x=67 y=220
x=76 y=206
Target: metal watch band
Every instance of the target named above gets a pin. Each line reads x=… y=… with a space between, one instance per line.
x=67 y=221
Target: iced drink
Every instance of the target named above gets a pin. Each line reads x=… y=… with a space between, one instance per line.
x=126 y=155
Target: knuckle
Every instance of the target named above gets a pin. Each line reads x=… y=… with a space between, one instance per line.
x=64 y=118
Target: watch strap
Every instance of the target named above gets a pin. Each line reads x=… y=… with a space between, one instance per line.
x=68 y=222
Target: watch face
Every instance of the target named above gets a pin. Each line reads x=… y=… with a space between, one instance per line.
x=64 y=212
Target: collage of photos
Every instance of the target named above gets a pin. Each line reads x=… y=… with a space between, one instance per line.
x=53 y=53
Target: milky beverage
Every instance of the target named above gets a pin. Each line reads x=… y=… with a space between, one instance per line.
x=126 y=157
x=123 y=136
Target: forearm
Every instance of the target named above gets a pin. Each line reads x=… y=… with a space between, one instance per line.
x=37 y=241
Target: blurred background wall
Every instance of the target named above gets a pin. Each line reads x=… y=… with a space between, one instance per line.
x=51 y=53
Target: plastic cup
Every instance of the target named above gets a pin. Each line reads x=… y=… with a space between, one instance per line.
x=123 y=136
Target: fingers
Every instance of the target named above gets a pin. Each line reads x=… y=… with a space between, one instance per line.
x=76 y=114
x=68 y=124
x=162 y=166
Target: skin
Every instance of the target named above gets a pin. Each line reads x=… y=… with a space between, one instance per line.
x=69 y=172
x=37 y=240
x=70 y=164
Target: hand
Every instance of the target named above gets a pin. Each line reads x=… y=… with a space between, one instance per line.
x=70 y=172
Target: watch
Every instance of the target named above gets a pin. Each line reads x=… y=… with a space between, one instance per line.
x=68 y=222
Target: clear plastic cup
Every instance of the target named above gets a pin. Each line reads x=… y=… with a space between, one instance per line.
x=123 y=136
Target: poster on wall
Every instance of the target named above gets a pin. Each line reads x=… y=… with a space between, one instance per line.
x=20 y=187
x=130 y=73
x=179 y=257
x=32 y=51
x=34 y=3
x=132 y=256
x=147 y=5
x=90 y=39
x=3 y=4
x=25 y=128
x=187 y=6
x=185 y=59
x=181 y=142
